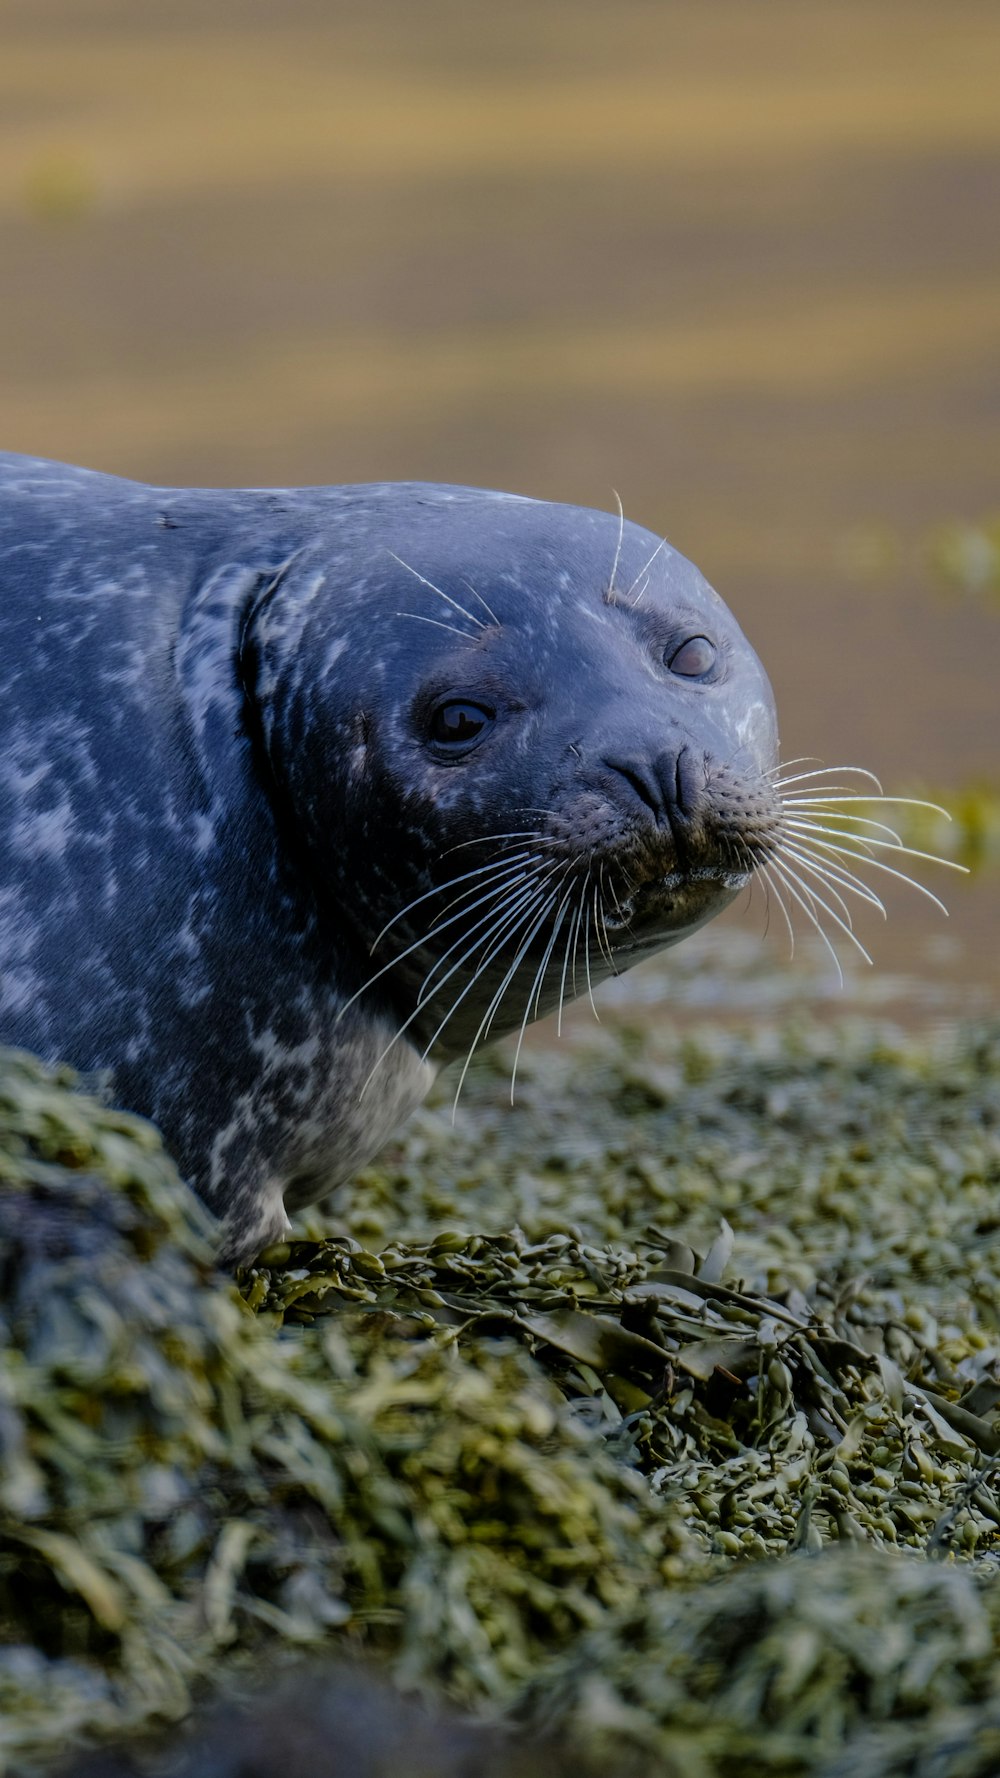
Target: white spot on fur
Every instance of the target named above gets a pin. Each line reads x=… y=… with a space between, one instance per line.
x=46 y=834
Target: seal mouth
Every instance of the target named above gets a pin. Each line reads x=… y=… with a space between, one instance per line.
x=631 y=857
x=676 y=874
x=693 y=829
x=659 y=909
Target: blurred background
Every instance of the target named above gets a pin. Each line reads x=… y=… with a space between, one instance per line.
x=739 y=263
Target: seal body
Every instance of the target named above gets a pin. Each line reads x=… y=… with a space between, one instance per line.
x=306 y=792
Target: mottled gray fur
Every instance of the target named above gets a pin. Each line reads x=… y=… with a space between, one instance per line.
x=216 y=787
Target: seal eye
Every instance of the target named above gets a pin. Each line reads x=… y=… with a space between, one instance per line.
x=694 y=658
x=456 y=723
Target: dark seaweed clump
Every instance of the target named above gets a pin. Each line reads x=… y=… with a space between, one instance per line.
x=179 y=1483
x=669 y=1428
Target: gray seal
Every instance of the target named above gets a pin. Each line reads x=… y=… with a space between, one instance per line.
x=304 y=793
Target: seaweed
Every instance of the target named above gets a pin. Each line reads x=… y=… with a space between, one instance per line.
x=660 y=1417
x=178 y=1482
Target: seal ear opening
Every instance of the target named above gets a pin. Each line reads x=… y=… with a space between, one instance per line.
x=257 y=685
x=259 y=597
x=249 y=662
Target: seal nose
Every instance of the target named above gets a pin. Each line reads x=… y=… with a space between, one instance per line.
x=668 y=785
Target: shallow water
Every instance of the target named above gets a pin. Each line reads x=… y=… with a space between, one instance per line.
x=742 y=265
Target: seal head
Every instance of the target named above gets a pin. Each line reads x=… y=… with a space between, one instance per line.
x=304 y=793
x=546 y=734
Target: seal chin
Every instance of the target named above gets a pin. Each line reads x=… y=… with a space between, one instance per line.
x=663 y=913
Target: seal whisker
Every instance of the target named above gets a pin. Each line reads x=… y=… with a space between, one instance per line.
x=851 y=826
x=820 y=771
x=557 y=923
x=509 y=901
x=600 y=923
x=586 y=956
x=524 y=914
x=820 y=800
x=508 y=879
x=470 y=616
x=791 y=873
x=535 y=990
x=826 y=873
x=848 y=830
x=748 y=860
x=502 y=915
x=769 y=883
x=821 y=796
x=831 y=873
x=481 y=871
x=812 y=917
x=804 y=759
x=507 y=918
x=810 y=899
x=512 y=920
x=844 y=837
x=489 y=839
x=834 y=877
x=623 y=917
x=570 y=945
x=611 y=594
x=490 y=613
x=576 y=935
x=646 y=566
x=418 y=618
x=787 y=873
x=399 y=958
x=539 y=921
x=491 y=1010
x=889 y=870
x=765 y=887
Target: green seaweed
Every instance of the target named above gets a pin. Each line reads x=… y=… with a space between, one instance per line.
x=662 y=1414
x=177 y=1481
x=845 y=1664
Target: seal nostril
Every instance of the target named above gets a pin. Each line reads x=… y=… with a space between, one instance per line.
x=687 y=774
x=663 y=784
x=679 y=787
x=645 y=787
